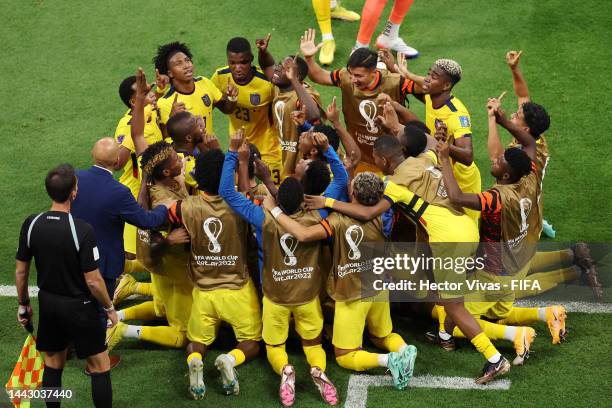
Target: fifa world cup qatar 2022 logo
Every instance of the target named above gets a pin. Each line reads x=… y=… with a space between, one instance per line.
x=368 y=111
x=289 y=244
x=279 y=111
x=353 y=236
x=212 y=228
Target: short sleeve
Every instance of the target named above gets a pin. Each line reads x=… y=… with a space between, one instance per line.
x=24 y=253
x=88 y=252
x=328 y=230
x=215 y=80
x=175 y=214
x=127 y=141
x=335 y=77
x=123 y=135
x=397 y=194
x=215 y=93
x=460 y=125
x=490 y=201
x=406 y=87
x=164 y=105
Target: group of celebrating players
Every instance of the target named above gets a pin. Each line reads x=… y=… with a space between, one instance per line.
x=269 y=232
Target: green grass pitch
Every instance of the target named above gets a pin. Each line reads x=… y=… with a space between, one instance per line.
x=61 y=66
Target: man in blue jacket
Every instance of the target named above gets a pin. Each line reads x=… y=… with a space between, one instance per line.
x=107 y=204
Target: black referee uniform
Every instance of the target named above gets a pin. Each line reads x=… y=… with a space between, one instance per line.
x=64 y=249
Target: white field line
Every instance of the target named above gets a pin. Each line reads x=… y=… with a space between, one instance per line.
x=357 y=390
x=577 y=307
x=11 y=291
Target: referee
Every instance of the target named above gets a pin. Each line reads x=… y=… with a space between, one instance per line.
x=71 y=287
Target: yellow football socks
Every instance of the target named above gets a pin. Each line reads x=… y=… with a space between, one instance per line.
x=315 y=355
x=440 y=314
x=164 y=336
x=322 y=10
x=133 y=265
x=491 y=330
x=194 y=355
x=277 y=356
x=238 y=355
x=544 y=261
x=143 y=311
x=358 y=360
x=143 y=289
x=485 y=347
x=549 y=280
x=521 y=315
x=393 y=342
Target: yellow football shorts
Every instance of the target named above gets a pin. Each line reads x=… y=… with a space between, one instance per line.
x=238 y=307
x=308 y=319
x=493 y=305
x=129 y=238
x=172 y=298
x=275 y=165
x=351 y=317
x=468 y=178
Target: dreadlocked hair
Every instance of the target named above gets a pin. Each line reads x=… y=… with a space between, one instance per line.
x=153 y=159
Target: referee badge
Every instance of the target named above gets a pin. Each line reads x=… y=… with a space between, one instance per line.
x=206 y=100
x=255 y=99
x=464 y=121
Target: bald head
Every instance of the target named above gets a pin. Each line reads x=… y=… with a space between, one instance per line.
x=106 y=152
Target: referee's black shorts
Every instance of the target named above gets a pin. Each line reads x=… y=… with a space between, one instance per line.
x=64 y=319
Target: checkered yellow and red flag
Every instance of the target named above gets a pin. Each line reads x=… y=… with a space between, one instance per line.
x=28 y=371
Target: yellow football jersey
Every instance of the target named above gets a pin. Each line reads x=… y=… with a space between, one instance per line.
x=200 y=102
x=439 y=222
x=457 y=119
x=252 y=111
x=189 y=161
x=132 y=176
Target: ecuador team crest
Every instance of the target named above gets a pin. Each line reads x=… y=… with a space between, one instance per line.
x=255 y=99
x=206 y=100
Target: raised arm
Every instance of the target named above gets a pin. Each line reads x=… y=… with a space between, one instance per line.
x=300 y=232
x=350 y=146
x=402 y=68
x=521 y=135
x=227 y=103
x=239 y=203
x=264 y=58
x=309 y=49
x=138 y=119
x=244 y=154
x=306 y=100
x=520 y=86
x=455 y=195
x=494 y=145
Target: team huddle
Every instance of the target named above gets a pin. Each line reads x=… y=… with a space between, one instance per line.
x=271 y=234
